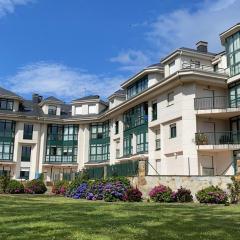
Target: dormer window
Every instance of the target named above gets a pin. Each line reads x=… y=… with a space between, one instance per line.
x=172 y=67
x=52 y=110
x=137 y=87
x=92 y=109
x=6 y=104
x=79 y=110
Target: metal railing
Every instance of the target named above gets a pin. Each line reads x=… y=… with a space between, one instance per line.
x=218 y=102
x=204 y=68
x=217 y=138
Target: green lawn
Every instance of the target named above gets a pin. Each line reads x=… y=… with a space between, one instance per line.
x=44 y=217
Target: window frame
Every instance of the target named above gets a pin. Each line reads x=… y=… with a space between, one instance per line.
x=173 y=130
x=28 y=131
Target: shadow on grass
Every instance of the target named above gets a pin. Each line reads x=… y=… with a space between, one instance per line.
x=44 y=217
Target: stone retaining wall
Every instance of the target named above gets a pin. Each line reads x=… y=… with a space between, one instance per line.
x=194 y=183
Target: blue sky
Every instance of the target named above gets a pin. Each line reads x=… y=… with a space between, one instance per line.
x=70 y=48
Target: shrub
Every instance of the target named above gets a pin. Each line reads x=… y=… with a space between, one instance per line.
x=14 y=187
x=182 y=195
x=161 y=193
x=133 y=195
x=35 y=186
x=81 y=177
x=4 y=180
x=234 y=189
x=80 y=191
x=60 y=187
x=212 y=194
x=114 y=191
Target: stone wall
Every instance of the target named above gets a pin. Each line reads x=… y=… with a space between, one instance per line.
x=194 y=183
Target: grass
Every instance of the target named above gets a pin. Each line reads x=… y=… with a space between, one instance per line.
x=44 y=217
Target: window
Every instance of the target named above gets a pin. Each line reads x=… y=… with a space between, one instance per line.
x=6 y=104
x=234 y=94
x=142 y=142
x=26 y=154
x=28 y=131
x=52 y=110
x=138 y=87
x=233 y=53
x=172 y=67
x=62 y=141
x=7 y=133
x=170 y=98
x=116 y=127
x=117 y=149
x=173 y=130
x=154 y=111
x=99 y=152
x=24 y=175
x=92 y=109
x=136 y=116
x=99 y=130
x=127 y=145
x=157 y=141
x=79 y=110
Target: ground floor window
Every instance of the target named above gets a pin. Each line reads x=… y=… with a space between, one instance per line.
x=24 y=174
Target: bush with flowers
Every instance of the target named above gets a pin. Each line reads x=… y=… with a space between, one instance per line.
x=212 y=194
x=161 y=193
x=109 y=190
x=35 y=186
x=14 y=187
x=133 y=195
x=4 y=180
x=60 y=187
x=182 y=195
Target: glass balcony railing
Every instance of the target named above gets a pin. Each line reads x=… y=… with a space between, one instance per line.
x=217 y=138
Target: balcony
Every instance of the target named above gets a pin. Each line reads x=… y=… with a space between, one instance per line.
x=204 y=68
x=205 y=103
x=220 y=106
x=218 y=140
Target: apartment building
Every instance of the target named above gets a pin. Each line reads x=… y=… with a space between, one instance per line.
x=181 y=115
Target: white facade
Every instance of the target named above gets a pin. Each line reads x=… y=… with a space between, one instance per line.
x=188 y=126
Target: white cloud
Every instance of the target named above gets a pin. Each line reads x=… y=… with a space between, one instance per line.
x=131 y=60
x=184 y=27
x=61 y=81
x=8 y=6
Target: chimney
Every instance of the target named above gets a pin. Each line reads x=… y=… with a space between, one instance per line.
x=202 y=46
x=36 y=98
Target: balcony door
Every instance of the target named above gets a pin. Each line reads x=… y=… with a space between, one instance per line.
x=208 y=95
x=235 y=125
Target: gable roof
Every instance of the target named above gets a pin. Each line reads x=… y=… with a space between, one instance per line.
x=90 y=97
x=53 y=99
x=6 y=93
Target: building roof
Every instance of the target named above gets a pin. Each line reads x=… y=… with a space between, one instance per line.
x=6 y=93
x=119 y=92
x=191 y=50
x=229 y=32
x=90 y=97
x=53 y=99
